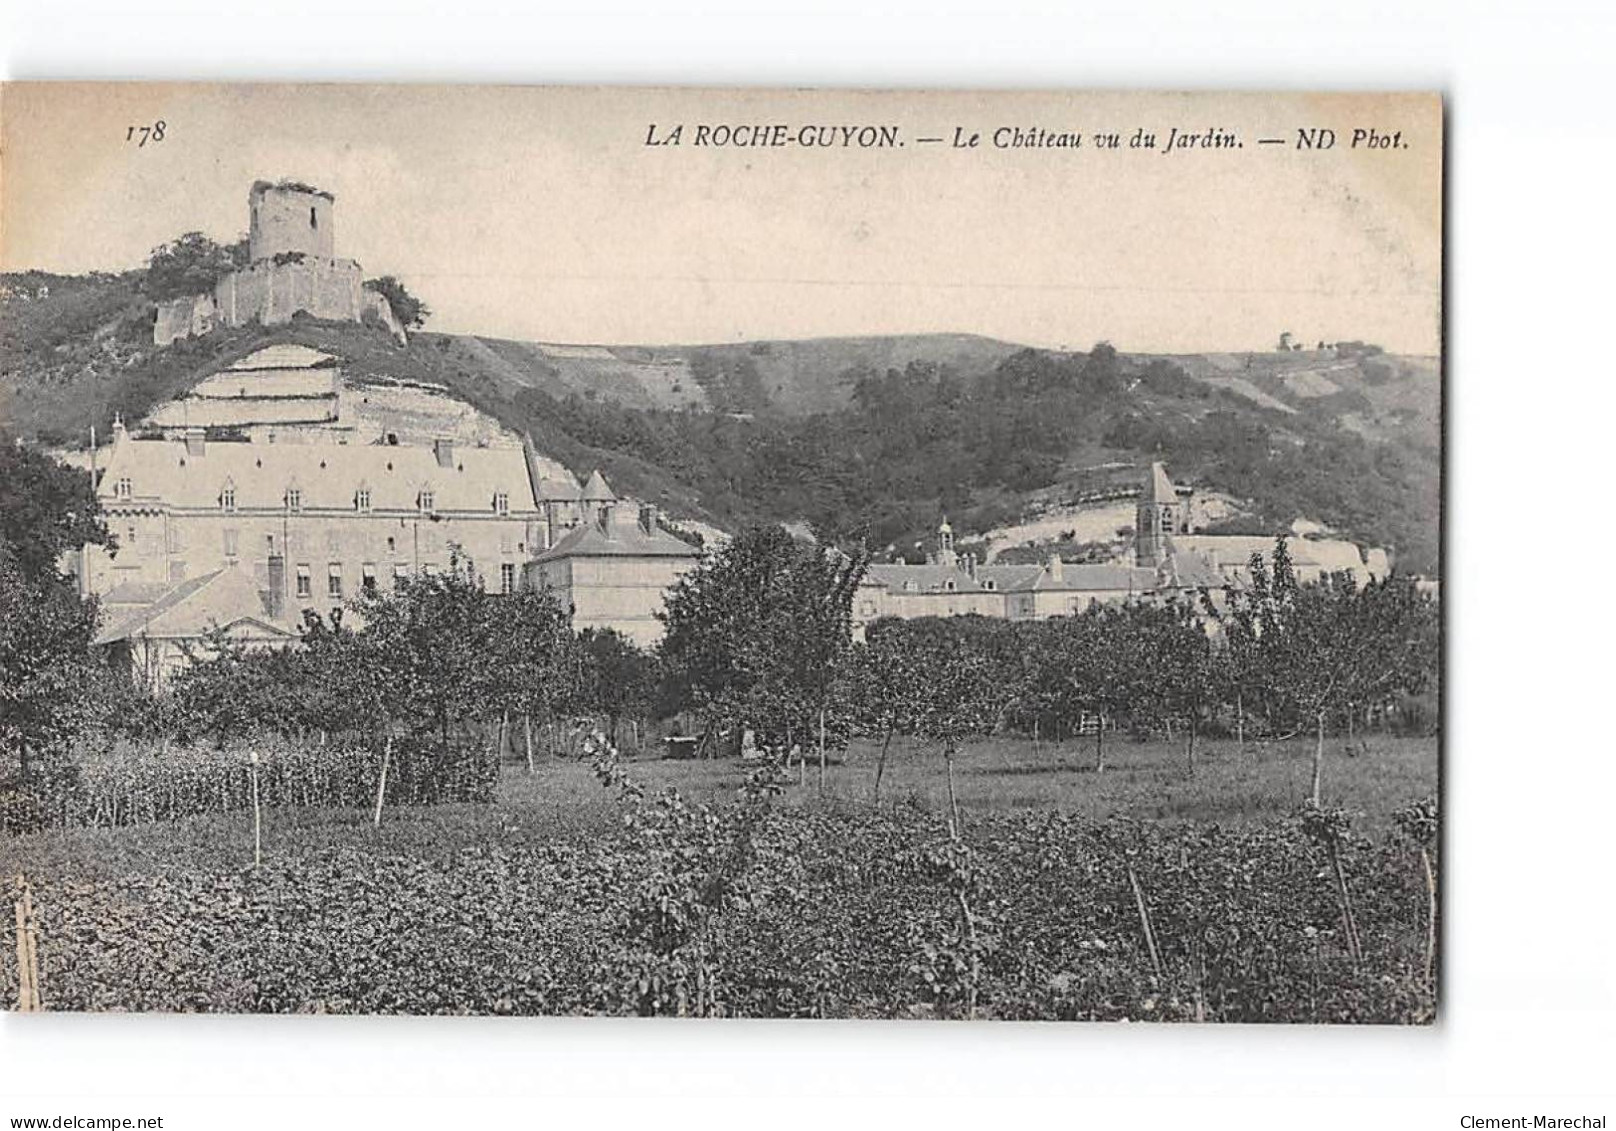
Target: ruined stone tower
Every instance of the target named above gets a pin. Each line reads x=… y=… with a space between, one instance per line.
x=290 y=218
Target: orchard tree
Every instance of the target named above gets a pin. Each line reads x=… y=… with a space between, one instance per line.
x=619 y=678
x=758 y=634
x=1331 y=644
x=1172 y=650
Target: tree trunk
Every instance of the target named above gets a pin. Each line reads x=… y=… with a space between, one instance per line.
x=1240 y=722
x=1189 y=745
x=1099 y=744
x=1318 y=762
x=821 y=751
x=881 y=764
x=527 y=739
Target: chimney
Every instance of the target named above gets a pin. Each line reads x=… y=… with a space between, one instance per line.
x=1055 y=573
x=444 y=450
x=276 y=580
x=648 y=518
x=604 y=516
x=196 y=442
x=970 y=564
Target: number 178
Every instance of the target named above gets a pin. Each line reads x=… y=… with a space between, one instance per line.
x=153 y=132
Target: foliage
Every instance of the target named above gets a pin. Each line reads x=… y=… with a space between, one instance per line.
x=757 y=633
x=825 y=912
x=49 y=678
x=191 y=264
x=409 y=310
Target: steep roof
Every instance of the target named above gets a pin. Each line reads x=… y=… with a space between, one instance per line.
x=596 y=491
x=191 y=608
x=328 y=475
x=1159 y=488
x=549 y=484
x=618 y=539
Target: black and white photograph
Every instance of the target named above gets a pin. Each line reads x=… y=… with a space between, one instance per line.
x=722 y=554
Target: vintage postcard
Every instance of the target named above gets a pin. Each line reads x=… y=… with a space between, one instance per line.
x=721 y=553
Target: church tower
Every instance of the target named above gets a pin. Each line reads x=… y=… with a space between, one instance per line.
x=1158 y=517
x=945 y=546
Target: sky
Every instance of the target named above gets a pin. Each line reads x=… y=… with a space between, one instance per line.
x=542 y=214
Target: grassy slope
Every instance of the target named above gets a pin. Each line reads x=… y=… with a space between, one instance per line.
x=77 y=355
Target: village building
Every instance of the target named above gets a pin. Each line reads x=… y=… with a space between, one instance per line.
x=153 y=632
x=614 y=572
x=1167 y=559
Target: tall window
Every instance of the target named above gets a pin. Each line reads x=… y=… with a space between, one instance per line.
x=230 y=541
x=424 y=502
x=333 y=580
x=507 y=577
x=123 y=489
x=227 y=497
x=367 y=577
x=305 y=582
x=400 y=572
x=294 y=499
x=362 y=500
x=392 y=545
x=502 y=503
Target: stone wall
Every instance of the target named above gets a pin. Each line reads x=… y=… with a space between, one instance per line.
x=271 y=293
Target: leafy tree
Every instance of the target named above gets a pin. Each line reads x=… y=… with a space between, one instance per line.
x=191 y=265
x=409 y=310
x=619 y=678
x=48 y=675
x=1327 y=646
x=46 y=510
x=757 y=634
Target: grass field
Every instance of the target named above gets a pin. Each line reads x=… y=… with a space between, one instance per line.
x=563 y=800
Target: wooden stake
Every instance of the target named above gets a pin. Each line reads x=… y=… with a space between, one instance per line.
x=1430 y=917
x=258 y=818
x=28 y=999
x=527 y=740
x=1144 y=919
x=381 y=786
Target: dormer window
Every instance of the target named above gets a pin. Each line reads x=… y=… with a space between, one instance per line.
x=502 y=503
x=424 y=502
x=949 y=585
x=361 y=500
x=989 y=586
x=124 y=488
x=294 y=499
x=227 y=497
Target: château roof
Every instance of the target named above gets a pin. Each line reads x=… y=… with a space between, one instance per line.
x=615 y=538
x=596 y=491
x=164 y=472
